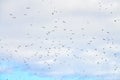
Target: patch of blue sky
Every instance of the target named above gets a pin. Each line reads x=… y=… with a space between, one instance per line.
x=22 y=75
x=12 y=72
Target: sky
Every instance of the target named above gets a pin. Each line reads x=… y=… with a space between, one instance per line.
x=59 y=40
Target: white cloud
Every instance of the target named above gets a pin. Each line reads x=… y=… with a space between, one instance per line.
x=57 y=51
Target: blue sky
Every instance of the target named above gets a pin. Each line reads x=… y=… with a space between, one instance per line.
x=59 y=40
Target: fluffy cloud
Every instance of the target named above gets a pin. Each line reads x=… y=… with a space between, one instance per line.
x=61 y=37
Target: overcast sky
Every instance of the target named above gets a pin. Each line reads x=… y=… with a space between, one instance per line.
x=59 y=39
